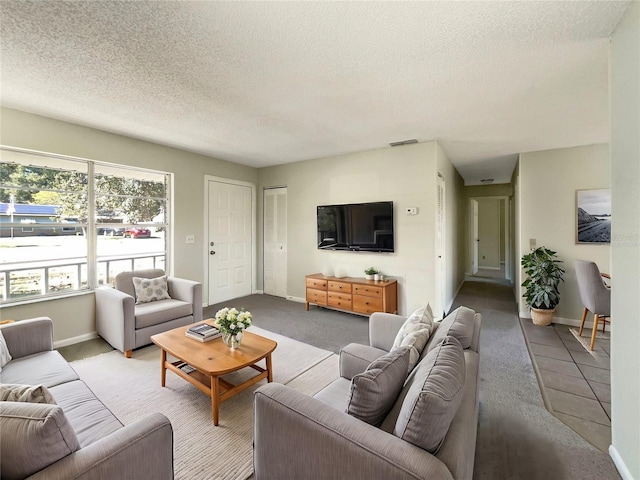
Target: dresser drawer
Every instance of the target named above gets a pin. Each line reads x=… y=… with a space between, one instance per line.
x=367 y=291
x=341 y=287
x=339 y=300
x=319 y=297
x=366 y=305
x=317 y=283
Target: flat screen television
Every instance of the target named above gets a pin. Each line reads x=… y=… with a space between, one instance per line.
x=359 y=227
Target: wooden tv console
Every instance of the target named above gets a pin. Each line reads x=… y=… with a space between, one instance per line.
x=350 y=294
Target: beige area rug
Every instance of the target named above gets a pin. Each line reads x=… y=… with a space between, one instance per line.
x=585 y=339
x=131 y=389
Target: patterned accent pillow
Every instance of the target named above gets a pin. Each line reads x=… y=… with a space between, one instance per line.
x=414 y=333
x=150 y=289
x=5 y=356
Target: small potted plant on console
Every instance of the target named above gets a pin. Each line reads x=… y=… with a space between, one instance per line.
x=371 y=272
x=541 y=287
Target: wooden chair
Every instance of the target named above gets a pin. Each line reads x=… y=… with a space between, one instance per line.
x=595 y=295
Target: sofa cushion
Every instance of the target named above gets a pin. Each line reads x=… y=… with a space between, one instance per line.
x=374 y=391
x=433 y=395
x=459 y=324
x=336 y=394
x=11 y=392
x=88 y=416
x=44 y=368
x=162 y=311
x=150 y=289
x=34 y=435
x=355 y=358
x=5 y=356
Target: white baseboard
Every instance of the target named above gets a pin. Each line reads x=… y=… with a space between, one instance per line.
x=73 y=340
x=296 y=299
x=619 y=463
x=572 y=322
x=488 y=268
x=259 y=292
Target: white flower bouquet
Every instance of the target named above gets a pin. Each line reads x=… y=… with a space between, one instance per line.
x=232 y=322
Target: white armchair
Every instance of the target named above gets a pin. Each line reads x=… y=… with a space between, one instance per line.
x=126 y=325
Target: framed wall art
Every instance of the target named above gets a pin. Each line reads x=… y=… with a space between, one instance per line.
x=593 y=216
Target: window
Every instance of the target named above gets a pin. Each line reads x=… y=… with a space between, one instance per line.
x=70 y=225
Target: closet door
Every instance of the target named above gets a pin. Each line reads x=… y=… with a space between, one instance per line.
x=275 y=242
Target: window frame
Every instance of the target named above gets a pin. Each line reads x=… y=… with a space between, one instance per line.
x=91 y=227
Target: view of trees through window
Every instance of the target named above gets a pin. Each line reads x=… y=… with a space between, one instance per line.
x=49 y=225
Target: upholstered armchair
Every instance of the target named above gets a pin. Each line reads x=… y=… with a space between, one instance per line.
x=127 y=320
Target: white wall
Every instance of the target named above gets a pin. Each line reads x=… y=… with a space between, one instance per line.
x=625 y=157
x=548 y=184
x=405 y=175
x=75 y=318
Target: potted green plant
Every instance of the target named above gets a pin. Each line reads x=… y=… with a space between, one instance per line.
x=370 y=273
x=541 y=287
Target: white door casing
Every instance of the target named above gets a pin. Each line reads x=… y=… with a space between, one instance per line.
x=441 y=272
x=230 y=234
x=275 y=242
x=474 y=236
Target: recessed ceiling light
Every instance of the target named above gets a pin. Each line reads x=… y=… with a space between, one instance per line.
x=403 y=142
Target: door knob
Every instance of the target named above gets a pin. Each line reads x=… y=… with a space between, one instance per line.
x=212 y=252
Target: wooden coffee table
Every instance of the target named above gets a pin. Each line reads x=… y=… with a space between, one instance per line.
x=213 y=359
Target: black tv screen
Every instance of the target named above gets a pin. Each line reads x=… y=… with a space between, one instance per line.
x=363 y=227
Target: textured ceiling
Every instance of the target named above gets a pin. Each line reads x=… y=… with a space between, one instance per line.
x=265 y=83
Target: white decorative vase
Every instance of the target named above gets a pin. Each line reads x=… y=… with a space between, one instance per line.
x=369 y=277
x=376 y=277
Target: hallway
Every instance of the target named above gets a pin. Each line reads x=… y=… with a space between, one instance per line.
x=517 y=436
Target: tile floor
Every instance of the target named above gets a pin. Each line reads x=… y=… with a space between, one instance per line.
x=575 y=383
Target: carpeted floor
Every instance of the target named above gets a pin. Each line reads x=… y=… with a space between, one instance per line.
x=196 y=440
x=517 y=437
x=327 y=329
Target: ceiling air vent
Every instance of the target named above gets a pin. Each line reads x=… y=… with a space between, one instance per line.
x=486 y=180
x=403 y=142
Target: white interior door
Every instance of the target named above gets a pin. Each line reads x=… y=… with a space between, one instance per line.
x=474 y=237
x=275 y=242
x=441 y=272
x=230 y=240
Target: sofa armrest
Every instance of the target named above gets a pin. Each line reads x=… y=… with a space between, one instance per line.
x=187 y=291
x=383 y=328
x=143 y=449
x=115 y=318
x=355 y=358
x=26 y=337
x=318 y=441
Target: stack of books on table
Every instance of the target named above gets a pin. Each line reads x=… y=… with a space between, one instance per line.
x=203 y=332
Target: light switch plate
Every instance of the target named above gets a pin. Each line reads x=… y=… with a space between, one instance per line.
x=191 y=239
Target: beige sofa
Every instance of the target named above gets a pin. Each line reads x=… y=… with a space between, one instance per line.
x=126 y=325
x=78 y=437
x=298 y=436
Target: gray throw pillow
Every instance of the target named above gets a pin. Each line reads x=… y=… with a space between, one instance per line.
x=433 y=396
x=10 y=392
x=34 y=435
x=374 y=391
